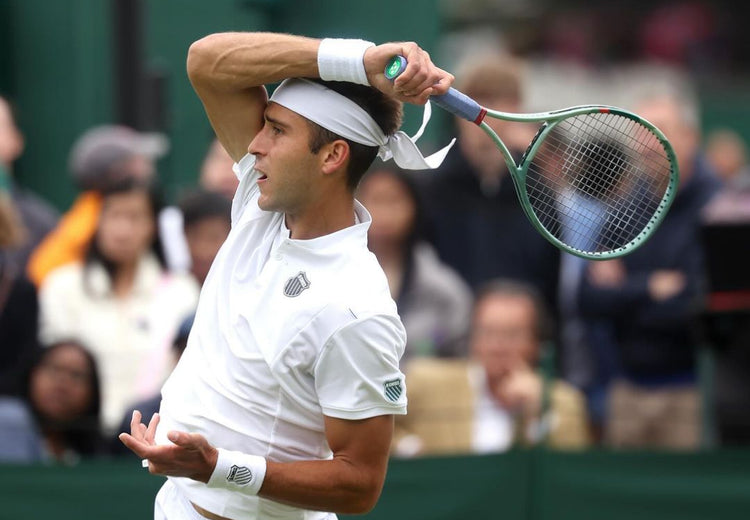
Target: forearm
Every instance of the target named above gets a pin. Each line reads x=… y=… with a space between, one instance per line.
x=334 y=485
x=239 y=61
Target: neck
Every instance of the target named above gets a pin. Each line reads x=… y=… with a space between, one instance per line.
x=327 y=215
x=124 y=279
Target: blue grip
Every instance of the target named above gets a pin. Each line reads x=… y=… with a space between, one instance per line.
x=453 y=101
x=459 y=104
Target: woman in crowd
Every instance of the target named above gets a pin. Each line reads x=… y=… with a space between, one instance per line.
x=58 y=416
x=121 y=301
x=433 y=302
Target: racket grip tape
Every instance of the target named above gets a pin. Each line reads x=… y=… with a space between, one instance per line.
x=453 y=101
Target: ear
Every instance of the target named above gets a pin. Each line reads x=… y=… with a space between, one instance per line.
x=334 y=156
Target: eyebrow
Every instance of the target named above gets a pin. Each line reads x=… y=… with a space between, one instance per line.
x=275 y=121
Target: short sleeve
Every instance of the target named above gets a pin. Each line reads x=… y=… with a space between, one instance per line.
x=357 y=375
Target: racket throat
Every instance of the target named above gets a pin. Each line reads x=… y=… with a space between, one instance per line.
x=480 y=117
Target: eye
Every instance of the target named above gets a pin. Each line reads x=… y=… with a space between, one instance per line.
x=275 y=130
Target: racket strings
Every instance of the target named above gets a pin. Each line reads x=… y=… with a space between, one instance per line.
x=597 y=181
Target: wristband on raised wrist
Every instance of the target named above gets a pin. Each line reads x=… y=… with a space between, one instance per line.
x=342 y=59
x=238 y=472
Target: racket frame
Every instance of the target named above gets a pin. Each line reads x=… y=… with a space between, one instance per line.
x=549 y=120
x=463 y=106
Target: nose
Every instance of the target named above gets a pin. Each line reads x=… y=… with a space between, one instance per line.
x=256 y=145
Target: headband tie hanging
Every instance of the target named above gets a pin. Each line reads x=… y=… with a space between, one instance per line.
x=344 y=117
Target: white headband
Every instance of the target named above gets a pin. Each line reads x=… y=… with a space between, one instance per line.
x=344 y=117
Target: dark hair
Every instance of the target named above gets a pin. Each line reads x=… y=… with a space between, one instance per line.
x=127 y=185
x=407 y=181
x=544 y=324
x=200 y=204
x=82 y=434
x=385 y=110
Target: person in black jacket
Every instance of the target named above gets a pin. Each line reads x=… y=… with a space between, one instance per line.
x=474 y=218
x=646 y=304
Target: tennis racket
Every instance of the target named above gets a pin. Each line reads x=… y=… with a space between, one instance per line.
x=595 y=181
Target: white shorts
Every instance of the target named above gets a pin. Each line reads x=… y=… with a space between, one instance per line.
x=170 y=504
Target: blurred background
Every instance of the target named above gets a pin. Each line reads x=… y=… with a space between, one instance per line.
x=71 y=64
x=67 y=66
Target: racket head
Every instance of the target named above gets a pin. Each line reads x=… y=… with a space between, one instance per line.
x=597 y=181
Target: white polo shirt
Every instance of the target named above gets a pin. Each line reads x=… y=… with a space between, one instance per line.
x=286 y=331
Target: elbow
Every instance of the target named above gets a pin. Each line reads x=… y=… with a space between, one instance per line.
x=364 y=501
x=200 y=59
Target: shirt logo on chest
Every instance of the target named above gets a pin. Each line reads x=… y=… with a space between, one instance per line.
x=296 y=284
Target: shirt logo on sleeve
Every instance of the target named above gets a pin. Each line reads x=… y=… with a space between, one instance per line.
x=393 y=389
x=240 y=475
x=296 y=284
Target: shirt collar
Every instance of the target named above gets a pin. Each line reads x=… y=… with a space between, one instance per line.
x=356 y=233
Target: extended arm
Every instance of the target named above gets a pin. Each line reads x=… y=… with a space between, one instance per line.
x=350 y=483
x=228 y=71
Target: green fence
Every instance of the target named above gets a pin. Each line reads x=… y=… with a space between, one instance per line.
x=520 y=485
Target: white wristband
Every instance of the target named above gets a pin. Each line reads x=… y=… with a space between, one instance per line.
x=343 y=60
x=238 y=471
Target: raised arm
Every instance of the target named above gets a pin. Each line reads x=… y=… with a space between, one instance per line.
x=229 y=70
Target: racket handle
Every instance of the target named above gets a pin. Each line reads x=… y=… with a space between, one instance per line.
x=454 y=101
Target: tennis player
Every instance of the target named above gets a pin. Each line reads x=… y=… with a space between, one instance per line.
x=282 y=404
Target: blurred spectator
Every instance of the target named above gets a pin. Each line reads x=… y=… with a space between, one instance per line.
x=685 y=33
x=58 y=418
x=207 y=220
x=100 y=157
x=433 y=301
x=475 y=219
x=19 y=312
x=727 y=153
x=150 y=405
x=650 y=300
x=121 y=301
x=37 y=217
x=498 y=399
x=18 y=301
x=726 y=323
x=216 y=171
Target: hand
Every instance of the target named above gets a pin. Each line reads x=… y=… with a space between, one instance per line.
x=607 y=273
x=665 y=284
x=417 y=83
x=190 y=455
x=521 y=390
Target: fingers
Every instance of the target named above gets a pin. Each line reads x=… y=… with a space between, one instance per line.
x=188 y=441
x=421 y=78
x=151 y=430
x=417 y=82
x=135 y=423
x=133 y=444
x=141 y=437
